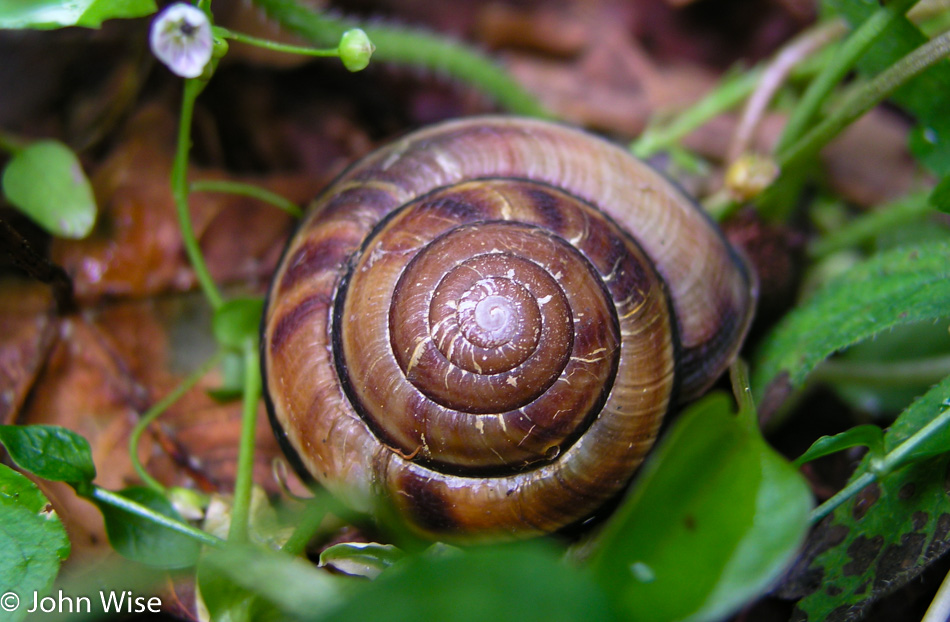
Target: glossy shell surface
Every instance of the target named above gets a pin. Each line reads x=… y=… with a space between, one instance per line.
x=484 y=323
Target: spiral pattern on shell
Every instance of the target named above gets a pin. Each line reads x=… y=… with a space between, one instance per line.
x=485 y=322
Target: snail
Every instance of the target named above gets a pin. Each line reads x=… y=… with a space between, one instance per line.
x=484 y=323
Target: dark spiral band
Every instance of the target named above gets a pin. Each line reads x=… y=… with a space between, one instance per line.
x=497 y=338
x=500 y=328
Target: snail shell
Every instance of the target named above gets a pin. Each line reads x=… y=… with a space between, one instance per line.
x=485 y=322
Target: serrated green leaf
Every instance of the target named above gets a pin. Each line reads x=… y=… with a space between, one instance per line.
x=364 y=559
x=51 y=452
x=712 y=521
x=886 y=535
x=141 y=540
x=32 y=541
x=237 y=321
x=919 y=414
x=48 y=14
x=898 y=287
x=869 y=436
x=46 y=182
x=524 y=583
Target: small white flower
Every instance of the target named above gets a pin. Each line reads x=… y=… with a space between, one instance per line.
x=181 y=38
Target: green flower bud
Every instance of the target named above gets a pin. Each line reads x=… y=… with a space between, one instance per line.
x=355 y=49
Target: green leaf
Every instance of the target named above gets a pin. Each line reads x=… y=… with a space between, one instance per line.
x=226 y=601
x=141 y=540
x=940 y=197
x=882 y=376
x=364 y=559
x=33 y=541
x=523 y=583
x=886 y=535
x=51 y=452
x=231 y=580
x=48 y=14
x=869 y=436
x=237 y=321
x=919 y=414
x=46 y=182
x=712 y=521
x=894 y=288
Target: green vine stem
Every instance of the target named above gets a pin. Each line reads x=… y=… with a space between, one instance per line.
x=116 y=500
x=872 y=224
x=247 y=190
x=774 y=75
x=308 y=524
x=267 y=44
x=865 y=97
x=894 y=458
x=192 y=89
x=152 y=413
x=240 y=512
x=412 y=47
x=939 y=609
x=728 y=94
x=885 y=374
x=832 y=73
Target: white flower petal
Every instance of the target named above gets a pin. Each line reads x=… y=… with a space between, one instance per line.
x=181 y=38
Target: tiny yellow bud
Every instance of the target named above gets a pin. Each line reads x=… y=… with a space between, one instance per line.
x=749 y=175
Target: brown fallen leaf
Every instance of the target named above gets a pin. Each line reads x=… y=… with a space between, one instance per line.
x=136 y=248
x=28 y=326
x=108 y=367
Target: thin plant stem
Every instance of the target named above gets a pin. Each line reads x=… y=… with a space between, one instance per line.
x=939 y=609
x=247 y=190
x=274 y=45
x=841 y=496
x=888 y=374
x=180 y=192
x=832 y=73
x=887 y=464
x=240 y=513
x=727 y=95
x=101 y=495
x=774 y=75
x=160 y=407
x=308 y=524
x=869 y=225
x=412 y=47
x=864 y=98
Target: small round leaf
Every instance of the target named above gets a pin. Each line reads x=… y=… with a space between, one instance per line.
x=46 y=181
x=51 y=452
x=141 y=540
